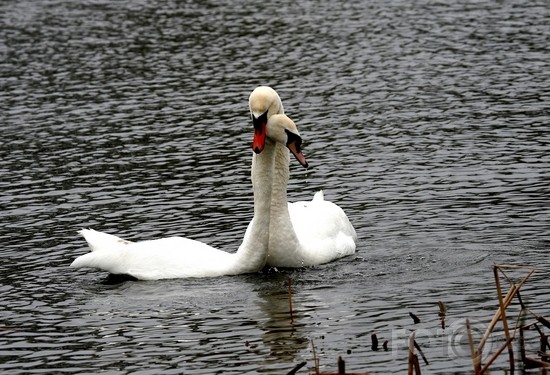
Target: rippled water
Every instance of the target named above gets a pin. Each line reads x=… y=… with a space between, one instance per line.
x=428 y=122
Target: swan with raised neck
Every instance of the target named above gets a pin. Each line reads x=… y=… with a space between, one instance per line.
x=300 y=233
x=178 y=257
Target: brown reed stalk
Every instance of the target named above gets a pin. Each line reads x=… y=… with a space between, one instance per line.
x=442 y=313
x=501 y=268
x=315 y=359
x=341 y=366
x=496 y=317
x=538 y=362
x=476 y=357
x=414 y=364
x=501 y=314
x=494 y=356
x=410 y=370
x=290 y=299
x=296 y=368
x=507 y=300
x=503 y=318
x=421 y=353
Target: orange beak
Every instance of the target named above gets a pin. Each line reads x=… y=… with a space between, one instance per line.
x=294 y=144
x=260 y=125
x=295 y=149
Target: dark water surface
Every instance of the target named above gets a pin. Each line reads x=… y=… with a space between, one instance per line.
x=428 y=122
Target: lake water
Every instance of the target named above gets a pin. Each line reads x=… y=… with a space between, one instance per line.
x=428 y=122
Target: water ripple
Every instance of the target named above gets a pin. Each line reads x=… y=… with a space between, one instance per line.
x=426 y=121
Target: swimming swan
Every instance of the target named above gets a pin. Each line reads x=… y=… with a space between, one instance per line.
x=178 y=257
x=300 y=233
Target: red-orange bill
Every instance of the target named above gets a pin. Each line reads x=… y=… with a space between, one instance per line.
x=298 y=154
x=258 y=142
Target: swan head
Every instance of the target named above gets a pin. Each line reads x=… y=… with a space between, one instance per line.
x=280 y=128
x=263 y=102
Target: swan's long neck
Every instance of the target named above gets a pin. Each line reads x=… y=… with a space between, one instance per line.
x=252 y=253
x=282 y=237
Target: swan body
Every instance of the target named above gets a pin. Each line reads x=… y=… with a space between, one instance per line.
x=178 y=257
x=301 y=233
x=280 y=234
x=323 y=234
x=165 y=258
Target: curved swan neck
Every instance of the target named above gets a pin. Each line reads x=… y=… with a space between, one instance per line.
x=252 y=253
x=263 y=166
x=283 y=233
x=281 y=175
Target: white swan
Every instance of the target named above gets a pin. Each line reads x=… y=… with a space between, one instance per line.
x=300 y=233
x=178 y=257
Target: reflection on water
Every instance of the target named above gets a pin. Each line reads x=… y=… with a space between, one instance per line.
x=427 y=122
x=283 y=330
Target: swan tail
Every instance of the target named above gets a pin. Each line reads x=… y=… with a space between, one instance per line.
x=86 y=260
x=319 y=196
x=110 y=261
x=101 y=241
x=107 y=252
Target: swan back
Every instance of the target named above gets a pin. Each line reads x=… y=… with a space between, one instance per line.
x=323 y=230
x=173 y=257
x=99 y=240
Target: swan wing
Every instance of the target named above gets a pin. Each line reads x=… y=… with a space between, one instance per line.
x=99 y=240
x=323 y=230
x=173 y=257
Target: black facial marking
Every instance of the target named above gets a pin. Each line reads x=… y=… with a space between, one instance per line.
x=258 y=121
x=294 y=138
